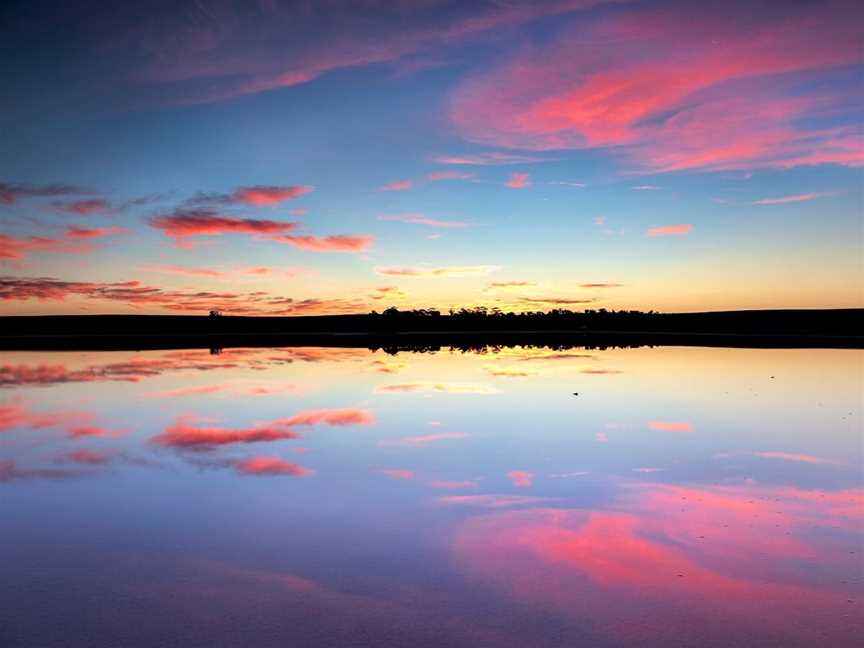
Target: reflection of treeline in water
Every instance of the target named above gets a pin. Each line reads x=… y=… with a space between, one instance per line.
x=479 y=348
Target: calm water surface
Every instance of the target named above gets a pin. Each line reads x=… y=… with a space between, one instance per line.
x=339 y=497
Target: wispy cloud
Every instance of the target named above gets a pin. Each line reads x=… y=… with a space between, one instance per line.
x=335 y=243
x=421 y=440
x=489 y=159
x=508 y=372
x=492 y=501
x=84 y=207
x=671 y=426
x=448 y=484
x=782 y=200
x=398 y=185
x=506 y=286
x=386 y=292
x=521 y=478
x=518 y=180
x=250 y=272
x=271 y=466
x=185 y=435
x=337 y=417
x=424 y=272
x=666 y=98
x=16 y=249
x=435 y=176
x=420 y=219
x=801 y=458
x=437 y=387
x=680 y=229
x=10 y=193
x=185 y=223
x=397 y=473
x=254 y=196
x=93 y=232
x=568 y=183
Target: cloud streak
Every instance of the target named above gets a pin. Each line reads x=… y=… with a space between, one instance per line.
x=420 y=219
x=681 y=229
x=423 y=272
x=421 y=440
x=782 y=200
x=655 y=86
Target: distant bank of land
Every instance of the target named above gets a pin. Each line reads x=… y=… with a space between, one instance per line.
x=395 y=330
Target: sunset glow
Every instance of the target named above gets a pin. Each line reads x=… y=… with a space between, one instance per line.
x=275 y=159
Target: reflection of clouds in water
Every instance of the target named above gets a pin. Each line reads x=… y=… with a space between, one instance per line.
x=436 y=387
x=664 y=556
x=421 y=440
x=137 y=367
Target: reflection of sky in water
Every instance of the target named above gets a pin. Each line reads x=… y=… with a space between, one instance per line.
x=323 y=497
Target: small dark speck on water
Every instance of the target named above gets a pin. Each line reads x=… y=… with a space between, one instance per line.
x=575 y=393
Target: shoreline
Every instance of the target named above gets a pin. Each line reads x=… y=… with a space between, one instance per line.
x=422 y=340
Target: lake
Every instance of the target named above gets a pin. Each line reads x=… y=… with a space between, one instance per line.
x=513 y=497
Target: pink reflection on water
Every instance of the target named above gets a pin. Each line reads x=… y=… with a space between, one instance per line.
x=710 y=565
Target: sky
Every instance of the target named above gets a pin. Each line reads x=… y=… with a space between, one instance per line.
x=301 y=158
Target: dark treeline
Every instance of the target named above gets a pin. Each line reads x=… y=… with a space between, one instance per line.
x=837 y=321
x=472 y=327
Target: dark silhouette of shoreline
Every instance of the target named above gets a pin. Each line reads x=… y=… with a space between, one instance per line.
x=428 y=329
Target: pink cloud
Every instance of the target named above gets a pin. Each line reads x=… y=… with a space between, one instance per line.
x=671 y=426
x=257 y=271
x=420 y=219
x=518 y=181
x=338 y=417
x=336 y=243
x=16 y=249
x=656 y=85
x=137 y=294
x=792 y=199
x=93 y=232
x=14 y=416
x=397 y=473
x=489 y=159
x=671 y=230
x=267 y=196
x=87 y=457
x=789 y=456
x=184 y=435
x=450 y=175
x=712 y=550
x=183 y=224
x=271 y=466
x=520 y=478
x=422 y=440
x=398 y=185
x=82 y=431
